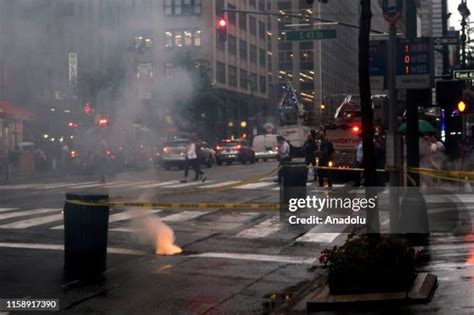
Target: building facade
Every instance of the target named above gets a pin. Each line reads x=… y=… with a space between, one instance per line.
x=322 y=71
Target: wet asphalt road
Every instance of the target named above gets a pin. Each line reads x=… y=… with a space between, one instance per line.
x=233 y=261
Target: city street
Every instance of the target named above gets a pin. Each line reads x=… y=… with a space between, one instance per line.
x=233 y=261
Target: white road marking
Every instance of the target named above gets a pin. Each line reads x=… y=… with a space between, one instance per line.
x=130 y=184
x=111 y=250
x=220 y=184
x=7 y=209
x=318 y=237
x=122 y=216
x=278 y=187
x=32 y=222
x=24 y=213
x=60 y=185
x=262 y=229
x=257 y=257
x=184 y=216
x=194 y=183
x=256 y=185
x=115 y=183
x=22 y=186
x=153 y=185
x=87 y=185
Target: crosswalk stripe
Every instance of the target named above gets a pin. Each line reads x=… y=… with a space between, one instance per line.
x=32 y=222
x=262 y=229
x=186 y=184
x=128 y=183
x=114 y=183
x=258 y=257
x=24 y=213
x=59 y=185
x=7 y=209
x=256 y=185
x=220 y=184
x=21 y=186
x=184 y=216
x=111 y=250
x=87 y=185
x=322 y=234
x=278 y=187
x=155 y=184
x=122 y=216
x=127 y=215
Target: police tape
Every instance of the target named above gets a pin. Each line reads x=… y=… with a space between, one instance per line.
x=180 y=205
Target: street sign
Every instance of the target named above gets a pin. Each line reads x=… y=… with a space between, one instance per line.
x=392 y=10
x=377 y=63
x=463 y=74
x=414 y=63
x=311 y=35
x=439 y=41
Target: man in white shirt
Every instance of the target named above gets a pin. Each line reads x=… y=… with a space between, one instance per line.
x=192 y=159
x=283 y=155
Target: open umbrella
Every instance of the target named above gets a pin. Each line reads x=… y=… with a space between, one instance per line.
x=423 y=127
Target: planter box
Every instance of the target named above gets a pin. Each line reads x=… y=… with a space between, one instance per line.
x=371 y=280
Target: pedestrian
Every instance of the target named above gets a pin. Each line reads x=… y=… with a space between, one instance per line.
x=425 y=159
x=359 y=160
x=283 y=155
x=310 y=147
x=326 y=151
x=192 y=160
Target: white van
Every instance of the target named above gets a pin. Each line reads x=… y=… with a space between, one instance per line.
x=266 y=147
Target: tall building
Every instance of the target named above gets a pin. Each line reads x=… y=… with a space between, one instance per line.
x=430 y=13
x=322 y=71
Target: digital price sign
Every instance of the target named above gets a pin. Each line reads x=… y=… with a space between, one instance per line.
x=414 y=63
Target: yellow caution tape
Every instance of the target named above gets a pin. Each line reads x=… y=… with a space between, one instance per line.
x=181 y=205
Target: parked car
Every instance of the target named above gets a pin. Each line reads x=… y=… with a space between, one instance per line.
x=173 y=154
x=229 y=151
x=266 y=147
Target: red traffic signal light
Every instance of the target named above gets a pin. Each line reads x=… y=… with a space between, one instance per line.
x=72 y=124
x=87 y=108
x=356 y=129
x=222 y=29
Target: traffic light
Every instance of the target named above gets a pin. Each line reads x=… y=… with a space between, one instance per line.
x=87 y=108
x=222 y=29
x=449 y=96
x=356 y=130
x=72 y=124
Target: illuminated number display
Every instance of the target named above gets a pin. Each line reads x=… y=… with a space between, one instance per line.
x=414 y=56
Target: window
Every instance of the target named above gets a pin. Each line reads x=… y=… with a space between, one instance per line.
x=306 y=55
x=243 y=21
x=220 y=44
x=285 y=56
x=183 y=38
x=231 y=16
x=253 y=25
x=261 y=30
x=220 y=72
x=243 y=49
x=253 y=3
x=253 y=54
x=261 y=5
x=263 y=84
x=232 y=45
x=263 y=57
x=232 y=76
x=243 y=79
x=182 y=7
x=253 y=81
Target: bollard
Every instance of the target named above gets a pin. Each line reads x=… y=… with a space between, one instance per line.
x=293 y=185
x=85 y=236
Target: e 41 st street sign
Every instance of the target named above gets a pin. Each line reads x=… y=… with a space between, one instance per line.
x=463 y=74
x=311 y=35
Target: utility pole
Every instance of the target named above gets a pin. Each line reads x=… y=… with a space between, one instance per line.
x=413 y=211
x=367 y=114
x=393 y=136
